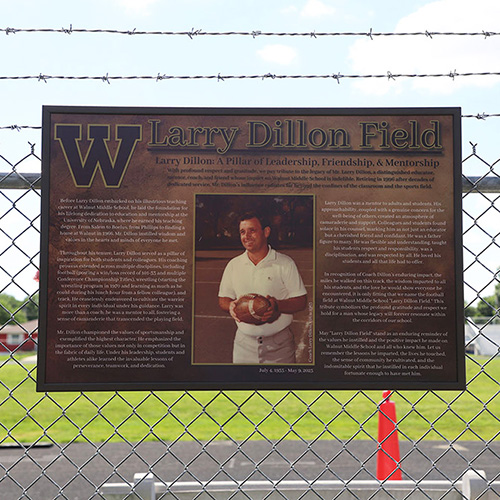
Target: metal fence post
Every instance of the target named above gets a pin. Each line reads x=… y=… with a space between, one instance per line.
x=144 y=486
x=474 y=485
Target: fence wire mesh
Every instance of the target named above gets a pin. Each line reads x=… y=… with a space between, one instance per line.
x=68 y=445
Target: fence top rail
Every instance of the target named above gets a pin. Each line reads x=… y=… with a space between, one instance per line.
x=15 y=180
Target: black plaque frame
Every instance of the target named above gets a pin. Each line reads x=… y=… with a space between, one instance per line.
x=236 y=377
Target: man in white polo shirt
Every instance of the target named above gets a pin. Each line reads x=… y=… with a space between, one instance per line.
x=267 y=272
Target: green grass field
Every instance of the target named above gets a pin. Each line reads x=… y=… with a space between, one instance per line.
x=28 y=417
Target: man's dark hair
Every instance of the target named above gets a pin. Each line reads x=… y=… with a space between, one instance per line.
x=264 y=221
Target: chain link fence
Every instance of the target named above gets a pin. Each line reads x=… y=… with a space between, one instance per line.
x=73 y=445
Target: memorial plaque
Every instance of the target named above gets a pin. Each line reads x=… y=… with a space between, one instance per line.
x=352 y=232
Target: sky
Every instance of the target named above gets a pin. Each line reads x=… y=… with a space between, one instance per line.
x=101 y=54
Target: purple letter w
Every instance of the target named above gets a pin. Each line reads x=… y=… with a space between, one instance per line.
x=83 y=169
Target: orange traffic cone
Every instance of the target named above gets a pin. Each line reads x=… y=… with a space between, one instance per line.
x=388 y=452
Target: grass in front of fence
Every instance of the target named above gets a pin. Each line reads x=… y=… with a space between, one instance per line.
x=28 y=417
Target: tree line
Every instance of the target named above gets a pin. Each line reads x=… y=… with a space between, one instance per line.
x=486 y=306
x=13 y=310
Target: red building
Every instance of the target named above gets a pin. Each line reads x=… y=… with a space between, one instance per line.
x=19 y=337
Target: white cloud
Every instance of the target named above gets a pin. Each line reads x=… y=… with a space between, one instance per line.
x=291 y=9
x=437 y=55
x=137 y=7
x=316 y=8
x=278 y=54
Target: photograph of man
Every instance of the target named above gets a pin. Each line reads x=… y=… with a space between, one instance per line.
x=262 y=270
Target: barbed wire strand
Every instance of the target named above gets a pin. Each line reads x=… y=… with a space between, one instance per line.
x=193 y=33
x=107 y=78
x=18 y=128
